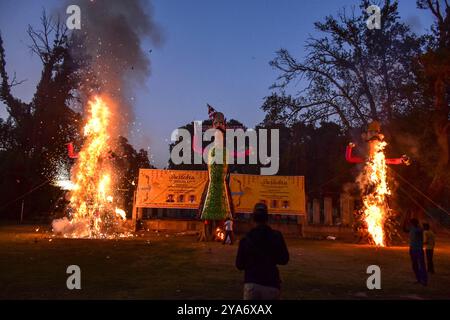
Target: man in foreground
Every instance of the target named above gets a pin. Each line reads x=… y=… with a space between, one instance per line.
x=258 y=254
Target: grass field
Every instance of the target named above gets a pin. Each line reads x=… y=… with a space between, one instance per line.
x=169 y=266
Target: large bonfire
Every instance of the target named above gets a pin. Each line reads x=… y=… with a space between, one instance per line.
x=373 y=182
x=92 y=209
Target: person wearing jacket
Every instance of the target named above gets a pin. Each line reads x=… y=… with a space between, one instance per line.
x=259 y=253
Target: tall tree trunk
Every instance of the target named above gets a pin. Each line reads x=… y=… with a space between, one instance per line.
x=441 y=126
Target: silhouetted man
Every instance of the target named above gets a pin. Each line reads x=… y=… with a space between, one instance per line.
x=258 y=255
x=416 y=252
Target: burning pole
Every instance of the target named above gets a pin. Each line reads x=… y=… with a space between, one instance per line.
x=373 y=183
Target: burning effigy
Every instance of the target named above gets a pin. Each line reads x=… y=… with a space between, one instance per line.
x=372 y=181
x=93 y=210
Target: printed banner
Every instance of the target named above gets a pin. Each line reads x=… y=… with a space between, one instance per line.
x=281 y=194
x=178 y=189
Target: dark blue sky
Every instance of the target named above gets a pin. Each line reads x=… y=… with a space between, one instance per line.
x=214 y=51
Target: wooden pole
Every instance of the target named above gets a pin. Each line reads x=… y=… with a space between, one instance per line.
x=21 y=211
x=134 y=217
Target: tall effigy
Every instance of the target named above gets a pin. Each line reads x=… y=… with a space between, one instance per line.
x=216 y=206
x=372 y=180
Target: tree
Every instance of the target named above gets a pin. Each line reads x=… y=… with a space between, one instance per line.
x=351 y=73
x=127 y=162
x=6 y=137
x=233 y=168
x=435 y=65
x=38 y=131
x=315 y=152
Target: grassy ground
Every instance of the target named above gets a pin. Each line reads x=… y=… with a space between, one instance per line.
x=168 y=266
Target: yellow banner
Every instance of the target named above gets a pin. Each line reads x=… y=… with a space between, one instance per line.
x=180 y=189
x=281 y=194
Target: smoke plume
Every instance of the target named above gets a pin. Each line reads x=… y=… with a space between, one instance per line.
x=114 y=34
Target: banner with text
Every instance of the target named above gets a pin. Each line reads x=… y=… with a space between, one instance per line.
x=179 y=189
x=281 y=194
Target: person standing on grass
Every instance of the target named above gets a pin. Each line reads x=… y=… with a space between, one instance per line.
x=259 y=253
x=416 y=252
x=429 y=241
x=228 y=224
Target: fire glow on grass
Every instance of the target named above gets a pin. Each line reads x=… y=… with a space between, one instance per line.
x=375 y=206
x=92 y=212
x=220 y=234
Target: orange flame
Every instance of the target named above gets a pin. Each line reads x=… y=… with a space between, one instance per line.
x=121 y=213
x=91 y=197
x=375 y=205
x=220 y=235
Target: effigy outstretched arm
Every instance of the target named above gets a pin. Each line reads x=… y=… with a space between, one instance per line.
x=348 y=154
x=197 y=148
x=241 y=154
x=71 y=152
x=238 y=154
x=404 y=159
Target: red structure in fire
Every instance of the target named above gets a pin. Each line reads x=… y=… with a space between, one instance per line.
x=71 y=152
x=372 y=181
x=373 y=135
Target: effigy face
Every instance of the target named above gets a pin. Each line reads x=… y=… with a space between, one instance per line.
x=219 y=121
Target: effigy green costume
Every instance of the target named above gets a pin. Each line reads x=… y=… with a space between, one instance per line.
x=217 y=205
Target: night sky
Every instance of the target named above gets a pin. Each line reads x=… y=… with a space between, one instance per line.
x=215 y=52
